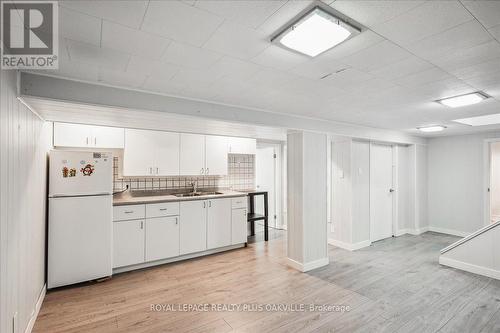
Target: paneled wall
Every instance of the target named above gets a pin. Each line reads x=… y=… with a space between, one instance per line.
x=24 y=142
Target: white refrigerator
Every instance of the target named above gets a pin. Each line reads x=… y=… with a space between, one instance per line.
x=80 y=217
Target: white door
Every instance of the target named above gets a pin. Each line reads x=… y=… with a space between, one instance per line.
x=72 y=135
x=139 y=153
x=79 y=239
x=167 y=153
x=107 y=137
x=216 y=150
x=192 y=154
x=128 y=243
x=265 y=171
x=381 y=192
x=239 y=226
x=193 y=226
x=219 y=223
x=162 y=238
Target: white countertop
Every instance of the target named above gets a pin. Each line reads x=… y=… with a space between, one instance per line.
x=126 y=198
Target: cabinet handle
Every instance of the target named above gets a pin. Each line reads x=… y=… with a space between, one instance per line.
x=210 y=204
x=157 y=170
x=95 y=141
x=163 y=209
x=142 y=225
x=176 y=220
x=87 y=141
x=207 y=171
x=150 y=170
x=201 y=171
x=204 y=204
x=128 y=211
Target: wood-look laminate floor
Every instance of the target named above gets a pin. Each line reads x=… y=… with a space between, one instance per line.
x=395 y=285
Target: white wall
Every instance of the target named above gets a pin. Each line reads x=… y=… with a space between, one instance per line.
x=24 y=141
x=456 y=176
x=360 y=191
x=403 y=187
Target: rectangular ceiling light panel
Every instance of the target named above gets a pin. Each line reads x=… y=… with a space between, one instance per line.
x=463 y=100
x=490 y=119
x=315 y=33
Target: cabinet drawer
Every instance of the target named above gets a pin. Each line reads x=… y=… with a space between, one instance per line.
x=162 y=209
x=240 y=202
x=130 y=212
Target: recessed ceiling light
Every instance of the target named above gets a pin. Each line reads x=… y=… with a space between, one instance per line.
x=315 y=32
x=490 y=119
x=463 y=100
x=431 y=128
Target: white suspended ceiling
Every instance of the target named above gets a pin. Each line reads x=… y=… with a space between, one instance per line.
x=411 y=53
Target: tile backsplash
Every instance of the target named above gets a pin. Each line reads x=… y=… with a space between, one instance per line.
x=241 y=175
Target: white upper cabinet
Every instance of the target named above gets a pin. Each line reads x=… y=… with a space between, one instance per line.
x=216 y=149
x=192 y=154
x=151 y=153
x=242 y=146
x=77 y=135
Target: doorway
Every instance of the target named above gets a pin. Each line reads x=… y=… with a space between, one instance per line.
x=381 y=191
x=267 y=178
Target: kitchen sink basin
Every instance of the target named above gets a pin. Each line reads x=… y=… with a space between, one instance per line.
x=195 y=194
x=140 y=193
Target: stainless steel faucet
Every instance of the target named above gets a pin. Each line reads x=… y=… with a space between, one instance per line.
x=194 y=184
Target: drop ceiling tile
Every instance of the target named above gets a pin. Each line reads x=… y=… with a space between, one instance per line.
x=402 y=68
x=348 y=79
x=372 y=12
x=189 y=77
x=485 y=68
x=487 y=12
x=485 y=81
x=132 y=41
x=75 y=70
x=251 y=13
x=317 y=68
x=267 y=78
x=495 y=31
x=151 y=67
x=79 y=27
x=423 y=21
x=235 y=69
x=159 y=84
x=463 y=36
x=90 y=54
x=237 y=41
x=180 y=22
x=190 y=56
x=423 y=77
x=462 y=58
x=376 y=56
x=283 y=16
x=122 y=79
x=279 y=58
x=129 y=12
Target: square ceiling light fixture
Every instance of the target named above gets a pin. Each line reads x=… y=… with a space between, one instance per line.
x=490 y=119
x=463 y=100
x=315 y=32
x=431 y=128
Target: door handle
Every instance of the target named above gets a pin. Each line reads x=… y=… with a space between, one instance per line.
x=391 y=190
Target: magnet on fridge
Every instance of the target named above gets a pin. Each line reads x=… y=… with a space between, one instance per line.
x=87 y=170
x=72 y=172
x=65 y=172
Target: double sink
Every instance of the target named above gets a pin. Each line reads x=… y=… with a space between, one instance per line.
x=170 y=192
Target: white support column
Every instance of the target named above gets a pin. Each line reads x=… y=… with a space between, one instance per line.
x=307 y=200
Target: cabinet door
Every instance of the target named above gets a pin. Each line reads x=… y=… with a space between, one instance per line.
x=216 y=155
x=72 y=135
x=167 y=153
x=193 y=226
x=192 y=154
x=239 y=226
x=128 y=243
x=107 y=137
x=139 y=153
x=242 y=146
x=219 y=223
x=162 y=238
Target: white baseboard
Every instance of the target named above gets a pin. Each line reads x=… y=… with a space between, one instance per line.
x=418 y=231
x=349 y=246
x=308 y=266
x=36 y=310
x=492 y=273
x=450 y=231
x=402 y=232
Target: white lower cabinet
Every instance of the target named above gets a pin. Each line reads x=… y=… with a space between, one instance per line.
x=218 y=223
x=128 y=243
x=162 y=238
x=193 y=228
x=239 y=226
